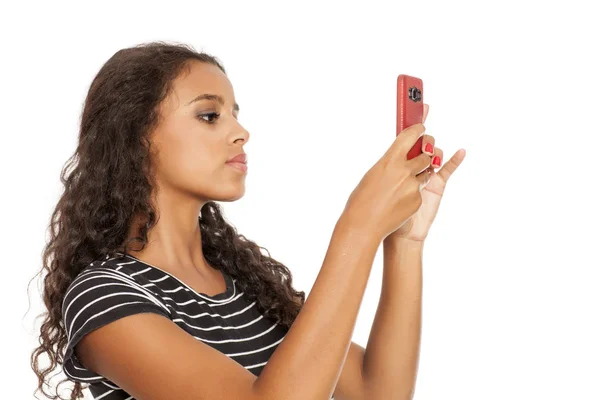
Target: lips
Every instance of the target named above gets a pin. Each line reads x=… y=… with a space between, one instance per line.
x=240 y=158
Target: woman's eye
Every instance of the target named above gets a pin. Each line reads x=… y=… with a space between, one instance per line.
x=212 y=114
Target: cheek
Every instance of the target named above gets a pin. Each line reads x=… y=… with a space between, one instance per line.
x=190 y=162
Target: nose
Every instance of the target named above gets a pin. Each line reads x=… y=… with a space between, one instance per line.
x=241 y=133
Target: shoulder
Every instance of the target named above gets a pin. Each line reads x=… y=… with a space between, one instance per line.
x=106 y=282
x=101 y=293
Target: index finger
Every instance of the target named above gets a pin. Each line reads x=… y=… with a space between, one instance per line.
x=406 y=140
x=425 y=112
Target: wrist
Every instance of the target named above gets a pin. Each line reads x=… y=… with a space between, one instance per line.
x=358 y=230
x=403 y=244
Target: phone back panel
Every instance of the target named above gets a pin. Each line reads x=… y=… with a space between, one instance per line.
x=409 y=108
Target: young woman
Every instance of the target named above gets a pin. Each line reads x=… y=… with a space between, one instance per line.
x=152 y=295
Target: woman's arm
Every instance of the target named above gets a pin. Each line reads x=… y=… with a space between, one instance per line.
x=308 y=363
x=151 y=358
x=392 y=353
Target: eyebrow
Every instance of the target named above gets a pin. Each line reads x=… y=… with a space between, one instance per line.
x=215 y=97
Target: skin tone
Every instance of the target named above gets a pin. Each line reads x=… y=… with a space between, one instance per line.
x=190 y=171
x=417 y=227
x=391 y=359
x=314 y=359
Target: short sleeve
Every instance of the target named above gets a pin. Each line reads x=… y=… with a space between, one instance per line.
x=97 y=297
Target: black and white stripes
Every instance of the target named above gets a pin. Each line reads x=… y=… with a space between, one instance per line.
x=110 y=289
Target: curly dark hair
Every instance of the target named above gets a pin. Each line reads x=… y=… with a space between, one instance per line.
x=108 y=182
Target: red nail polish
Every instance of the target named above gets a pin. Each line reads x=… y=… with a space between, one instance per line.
x=436 y=161
x=429 y=148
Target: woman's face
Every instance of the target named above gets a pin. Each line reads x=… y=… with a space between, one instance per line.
x=196 y=138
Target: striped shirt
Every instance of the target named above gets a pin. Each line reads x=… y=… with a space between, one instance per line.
x=110 y=289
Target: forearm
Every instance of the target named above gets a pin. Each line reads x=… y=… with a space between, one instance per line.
x=308 y=362
x=392 y=353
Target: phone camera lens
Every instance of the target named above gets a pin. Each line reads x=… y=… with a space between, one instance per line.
x=414 y=94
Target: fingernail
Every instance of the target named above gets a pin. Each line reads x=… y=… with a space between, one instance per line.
x=429 y=148
x=436 y=161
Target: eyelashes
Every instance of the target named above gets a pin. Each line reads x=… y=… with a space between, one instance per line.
x=212 y=114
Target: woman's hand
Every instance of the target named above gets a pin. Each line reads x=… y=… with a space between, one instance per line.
x=389 y=193
x=417 y=227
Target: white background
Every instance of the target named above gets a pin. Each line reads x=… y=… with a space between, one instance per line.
x=511 y=279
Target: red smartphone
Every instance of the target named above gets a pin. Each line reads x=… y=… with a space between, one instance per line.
x=409 y=108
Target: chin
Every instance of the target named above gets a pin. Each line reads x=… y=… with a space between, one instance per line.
x=230 y=199
x=232 y=195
